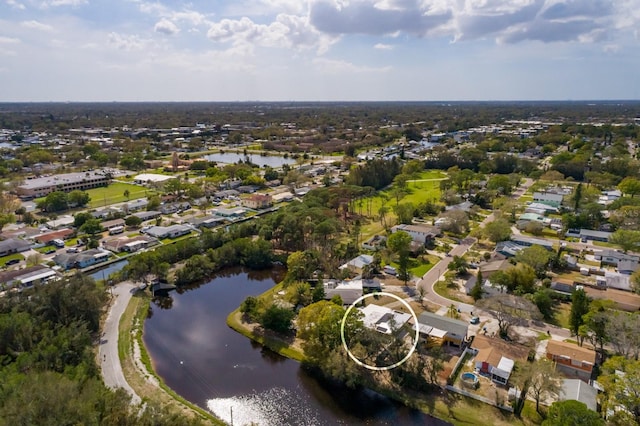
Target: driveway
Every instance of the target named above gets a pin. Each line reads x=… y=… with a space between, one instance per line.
x=108 y=353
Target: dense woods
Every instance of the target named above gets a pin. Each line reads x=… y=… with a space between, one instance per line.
x=48 y=372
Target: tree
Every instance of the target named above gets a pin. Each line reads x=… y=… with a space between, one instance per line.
x=622 y=329
x=459 y=265
x=595 y=324
x=626 y=239
x=577 y=197
x=498 y=230
x=277 y=319
x=579 y=307
x=457 y=221
x=400 y=243
x=421 y=292
x=476 y=291
x=78 y=198
x=133 y=221
x=620 y=378
x=126 y=194
x=629 y=186
x=405 y=212
x=534 y=228
x=249 y=307
x=537 y=380
x=54 y=202
x=91 y=226
x=509 y=310
x=571 y=413
x=543 y=299
x=537 y=257
x=300 y=266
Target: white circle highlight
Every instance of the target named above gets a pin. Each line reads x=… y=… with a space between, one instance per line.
x=387 y=367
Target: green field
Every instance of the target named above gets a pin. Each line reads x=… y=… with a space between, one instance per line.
x=114 y=193
x=5 y=259
x=426 y=188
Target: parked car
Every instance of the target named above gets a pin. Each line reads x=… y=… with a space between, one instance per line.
x=12 y=262
x=475 y=320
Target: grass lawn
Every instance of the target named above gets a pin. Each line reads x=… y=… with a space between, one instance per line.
x=114 y=193
x=5 y=259
x=45 y=249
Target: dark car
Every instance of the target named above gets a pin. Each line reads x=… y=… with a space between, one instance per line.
x=12 y=262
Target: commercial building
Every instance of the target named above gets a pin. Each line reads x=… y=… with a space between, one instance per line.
x=42 y=186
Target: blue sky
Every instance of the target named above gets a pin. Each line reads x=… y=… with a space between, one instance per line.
x=281 y=50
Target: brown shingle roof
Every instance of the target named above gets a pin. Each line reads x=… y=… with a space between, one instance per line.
x=571 y=351
x=490 y=350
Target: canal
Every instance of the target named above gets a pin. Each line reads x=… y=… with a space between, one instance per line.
x=208 y=363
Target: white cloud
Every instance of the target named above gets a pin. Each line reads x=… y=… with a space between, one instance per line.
x=15 y=4
x=56 y=3
x=126 y=42
x=383 y=46
x=36 y=25
x=167 y=27
x=335 y=66
x=287 y=31
x=9 y=40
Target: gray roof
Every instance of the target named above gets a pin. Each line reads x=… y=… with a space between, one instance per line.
x=14 y=244
x=147 y=214
x=628 y=265
x=522 y=240
x=593 y=233
x=44 y=182
x=450 y=325
x=575 y=389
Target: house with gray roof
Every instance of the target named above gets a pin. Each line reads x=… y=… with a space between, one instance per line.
x=13 y=245
x=82 y=259
x=173 y=231
x=554 y=200
x=577 y=390
x=444 y=329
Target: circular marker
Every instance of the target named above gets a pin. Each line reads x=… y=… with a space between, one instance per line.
x=373 y=367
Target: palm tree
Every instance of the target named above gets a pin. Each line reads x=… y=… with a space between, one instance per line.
x=126 y=194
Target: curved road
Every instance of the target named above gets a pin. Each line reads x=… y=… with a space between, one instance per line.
x=108 y=353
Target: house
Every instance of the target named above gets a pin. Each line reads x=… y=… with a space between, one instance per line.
x=563 y=286
x=173 y=231
x=614 y=257
x=82 y=259
x=577 y=390
x=209 y=221
x=532 y=217
x=135 y=205
x=61 y=221
x=541 y=206
x=31 y=275
x=530 y=241
x=443 y=330
x=128 y=244
x=147 y=215
x=383 y=319
x=591 y=235
x=419 y=233
x=106 y=213
x=47 y=237
x=624 y=300
x=465 y=206
x=627 y=267
x=549 y=198
x=285 y=196
x=232 y=213
x=614 y=280
x=609 y=197
x=109 y=224
x=171 y=208
x=496 y=358
x=151 y=178
x=358 y=263
x=508 y=248
x=13 y=245
x=374 y=243
x=573 y=360
x=258 y=201
x=490 y=268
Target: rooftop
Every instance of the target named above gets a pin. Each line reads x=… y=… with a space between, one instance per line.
x=571 y=351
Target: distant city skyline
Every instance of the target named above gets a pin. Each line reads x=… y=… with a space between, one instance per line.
x=319 y=50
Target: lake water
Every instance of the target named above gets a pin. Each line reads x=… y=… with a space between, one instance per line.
x=209 y=364
x=103 y=273
x=232 y=158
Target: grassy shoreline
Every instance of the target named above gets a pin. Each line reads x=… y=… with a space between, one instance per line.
x=148 y=385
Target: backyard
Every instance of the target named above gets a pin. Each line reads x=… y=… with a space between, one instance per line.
x=114 y=193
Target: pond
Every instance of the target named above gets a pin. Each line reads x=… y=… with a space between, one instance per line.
x=103 y=273
x=209 y=364
x=232 y=158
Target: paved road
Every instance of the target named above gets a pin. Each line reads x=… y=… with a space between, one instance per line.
x=108 y=354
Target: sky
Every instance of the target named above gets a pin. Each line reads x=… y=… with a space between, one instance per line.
x=319 y=50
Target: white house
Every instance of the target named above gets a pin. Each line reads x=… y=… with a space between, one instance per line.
x=549 y=198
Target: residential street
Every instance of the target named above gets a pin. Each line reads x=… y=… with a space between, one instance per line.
x=108 y=354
